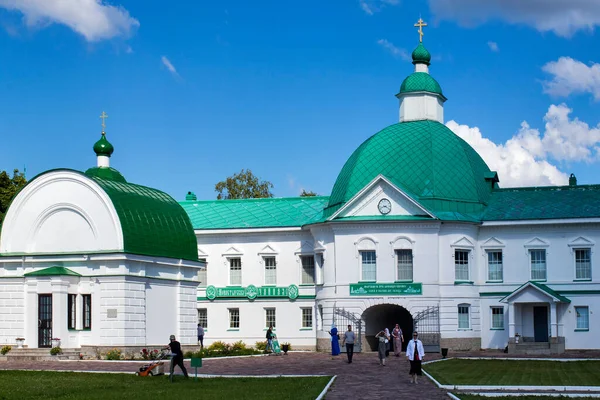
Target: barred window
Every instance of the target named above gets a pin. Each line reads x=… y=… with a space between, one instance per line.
x=538 y=264
x=87 y=311
x=368 y=265
x=72 y=311
x=308 y=270
x=270 y=271
x=203 y=317
x=461 y=265
x=235 y=271
x=497 y=317
x=495 y=265
x=270 y=317
x=463 y=316
x=234 y=318
x=583 y=264
x=307 y=317
x=405 y=265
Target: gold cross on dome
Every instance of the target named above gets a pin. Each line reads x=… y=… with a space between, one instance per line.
x=103 y=116
x=420 y=24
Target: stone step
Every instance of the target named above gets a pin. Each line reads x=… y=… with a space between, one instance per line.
x=32 y=354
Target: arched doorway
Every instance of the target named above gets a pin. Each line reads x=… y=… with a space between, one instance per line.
x=383 y=316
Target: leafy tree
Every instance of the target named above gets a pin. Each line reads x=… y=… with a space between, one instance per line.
x=243 y=185
x=307 y=194
x=9 y=187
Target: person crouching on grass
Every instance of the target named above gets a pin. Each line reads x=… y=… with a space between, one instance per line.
x=415 y=354
x=176 y=356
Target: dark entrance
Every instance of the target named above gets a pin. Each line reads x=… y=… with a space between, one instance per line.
x=540 y=323
x=384 y=316
x=45 y=320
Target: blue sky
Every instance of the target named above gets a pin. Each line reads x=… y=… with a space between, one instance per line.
x=196 y=91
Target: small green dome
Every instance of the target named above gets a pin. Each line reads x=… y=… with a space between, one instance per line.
x=420 y=82
x=103 y=147
x=420 y=55
x=108 y=173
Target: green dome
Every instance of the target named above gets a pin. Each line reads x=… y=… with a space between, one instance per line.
x=420 y=82
x=420 y=55
x=106 y=173
x=103 y=147
x=425 y=159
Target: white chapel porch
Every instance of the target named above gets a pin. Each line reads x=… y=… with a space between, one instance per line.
x=534 y=320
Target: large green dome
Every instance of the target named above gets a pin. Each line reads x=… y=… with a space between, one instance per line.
x=420 y=82
x=425 y=159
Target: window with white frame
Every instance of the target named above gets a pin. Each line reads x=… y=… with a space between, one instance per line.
x=368 y=259
x=234 y=318
x=404 y=264
x=307 y=317
x=203 y=317
x=270 y=317
x=235 y=271
x=463 y=316
x=308 y=270
x=538 y=264
x=494 y=259
x=583 y=264
x=461 y=265
x=583 y=317
x=270 y=270
x=497 y=317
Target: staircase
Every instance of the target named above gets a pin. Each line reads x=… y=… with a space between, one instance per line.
x=531 y=348
x=31 y=354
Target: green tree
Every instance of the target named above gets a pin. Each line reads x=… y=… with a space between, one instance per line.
x=307 y=194
x=9 y=187
x=243 y=185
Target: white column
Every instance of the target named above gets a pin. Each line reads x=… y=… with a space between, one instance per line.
x=553 y=320
x=511 y=320
x=103 y=162
x=31 y=313
x=59 y=308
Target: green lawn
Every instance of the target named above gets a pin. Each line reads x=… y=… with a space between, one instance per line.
x=24 y=385
x=509 y=372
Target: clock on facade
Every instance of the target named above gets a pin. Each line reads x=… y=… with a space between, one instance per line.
x=384 y=206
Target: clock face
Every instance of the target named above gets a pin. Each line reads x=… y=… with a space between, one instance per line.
x=384 y=206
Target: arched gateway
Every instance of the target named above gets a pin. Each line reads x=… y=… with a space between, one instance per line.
x=381 y=316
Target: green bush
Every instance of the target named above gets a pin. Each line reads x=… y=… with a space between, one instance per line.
x=114 y=354
x=222 y=349
x=262 y=346
x=5 y=349
x=219 y=347
x=55 y=351
x=238 y=346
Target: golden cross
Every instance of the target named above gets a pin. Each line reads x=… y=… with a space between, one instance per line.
x=103 y=117
x=420 y=24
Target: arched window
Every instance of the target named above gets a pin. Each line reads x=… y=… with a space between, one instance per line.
x=367 y=257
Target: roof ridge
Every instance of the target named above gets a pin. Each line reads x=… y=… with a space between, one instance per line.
x=547 y=188
x=257 y=199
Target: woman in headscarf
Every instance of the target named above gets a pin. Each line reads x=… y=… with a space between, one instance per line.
x=335 y=340
x=398 y=339
x=383 y=341
x=387 y=344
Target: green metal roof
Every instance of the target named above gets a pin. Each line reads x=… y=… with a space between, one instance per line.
x=255 y=213
x=427 y=160
x=420 y=82
x=106 y=173
x=553 y=202
x=421 y=55
x=53 y=271
x=543 y=288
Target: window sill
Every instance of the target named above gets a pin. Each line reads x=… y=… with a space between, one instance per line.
x=582 y=280
x=494 y=281
x=233 y=330
x=234 y=287
x=406 y=281
x=306 y=329
x=582 y=330
x=538 y=280
x=496 y=329
x=306 y=284
x=270 y=285
x=367 y=281
x=79 y=330
x=465 y=329
x=463 y=282
x=274 y=329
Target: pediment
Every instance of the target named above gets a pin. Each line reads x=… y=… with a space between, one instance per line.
x=493 y=242
x=320 y=246
x=233 y=251
x=581 y=242
x=463 y=242
x=366 y=202
x=305 y=247
x=268 y=249
x=536 y=242
x=202 y=253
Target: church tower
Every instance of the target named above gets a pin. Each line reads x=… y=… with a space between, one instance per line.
x=420 y=95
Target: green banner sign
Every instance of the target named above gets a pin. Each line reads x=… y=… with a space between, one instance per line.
x=385 y=289
x=252 y=292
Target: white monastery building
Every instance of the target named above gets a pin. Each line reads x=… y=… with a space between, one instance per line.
x=416 y=231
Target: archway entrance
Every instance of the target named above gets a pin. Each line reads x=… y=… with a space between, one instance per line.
x=383 y=316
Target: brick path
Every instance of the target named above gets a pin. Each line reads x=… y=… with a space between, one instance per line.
x=363 y=379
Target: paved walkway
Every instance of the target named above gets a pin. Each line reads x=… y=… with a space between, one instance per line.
x=363 y=379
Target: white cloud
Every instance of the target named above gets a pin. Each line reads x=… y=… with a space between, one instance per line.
x=93 y=19
x=372 y=6
x=493 y=46
x=527 y=158
x=563 y=17
x=396 y=51
x=169 y=65
x=572 y=76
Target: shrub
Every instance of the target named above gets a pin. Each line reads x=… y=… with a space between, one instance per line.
x=5 y=349
x=219 y=347
x=114 y=354
x=238 y=346
x=262 y=346
x=149 y=354
x=55 y=351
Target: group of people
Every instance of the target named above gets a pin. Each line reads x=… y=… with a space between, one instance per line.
x=414 y=349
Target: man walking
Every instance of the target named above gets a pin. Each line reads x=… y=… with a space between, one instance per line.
x=176 y=357
x=201 y=336
x=349 y=342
